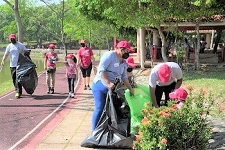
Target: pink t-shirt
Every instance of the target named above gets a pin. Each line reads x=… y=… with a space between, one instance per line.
x=51 y=58
x=85 y=54
x=70 y=70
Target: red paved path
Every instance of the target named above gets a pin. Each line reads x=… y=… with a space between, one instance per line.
x=19 y=116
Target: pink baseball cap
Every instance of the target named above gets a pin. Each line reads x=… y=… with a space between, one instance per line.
x=12 y=36
x=180 y=94
x=164 y=73
x=125 y=44
x=82 y=42
x=130 y=62
x=70 y=56
x=52 y=46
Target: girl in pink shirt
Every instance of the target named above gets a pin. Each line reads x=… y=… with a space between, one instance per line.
x=71 y=72
x=85 y=59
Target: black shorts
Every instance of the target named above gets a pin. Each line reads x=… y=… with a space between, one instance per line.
x=87 y=71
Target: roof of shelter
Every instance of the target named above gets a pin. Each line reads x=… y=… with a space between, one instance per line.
x=215 y=22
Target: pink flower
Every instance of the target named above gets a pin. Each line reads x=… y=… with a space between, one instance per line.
x=145 y=121
x=164 y=141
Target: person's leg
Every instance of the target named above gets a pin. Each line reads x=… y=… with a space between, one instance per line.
x=168 y=90
x=53 y=82
x=18 y=87
x=13 y=74
x=84 y=77
x=158 y=94
x=99 y=93
x=72 y=84
x=88 y=73
x=69 y=84
x=48 y=82
x=72 y=87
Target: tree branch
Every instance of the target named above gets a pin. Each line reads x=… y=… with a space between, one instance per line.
x=11 y=5
x=57 y=13
x=49 y=31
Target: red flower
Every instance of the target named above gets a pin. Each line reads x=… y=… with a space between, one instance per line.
x=144 y=111
x=145 y=121
x=190 y=87
x=164 y=141
x=204 y=92
x=138 y=137
x=140 y=133
x=164 y=114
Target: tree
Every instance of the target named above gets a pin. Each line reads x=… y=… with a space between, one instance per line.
x=15 y=7
x=149 y=13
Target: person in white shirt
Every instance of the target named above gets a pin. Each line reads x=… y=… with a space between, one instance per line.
x=164 y=78
x=13 y=50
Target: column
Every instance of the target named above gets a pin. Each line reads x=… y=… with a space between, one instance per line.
x=208 y=40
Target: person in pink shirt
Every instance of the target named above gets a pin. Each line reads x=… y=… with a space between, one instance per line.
x=85 y=58
x=71 y=72
x=51 y=59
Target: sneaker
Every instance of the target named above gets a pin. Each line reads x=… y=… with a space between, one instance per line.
x=52 y=90
x=85 y=87
x=18 y=95
x=89 y=88
x=72 y=95
x=48 y=91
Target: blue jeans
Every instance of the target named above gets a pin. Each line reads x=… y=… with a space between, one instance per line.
x=99 y=93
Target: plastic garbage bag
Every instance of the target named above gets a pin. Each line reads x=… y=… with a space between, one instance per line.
x=26 y=73
x=113 y=128
x=136 y=104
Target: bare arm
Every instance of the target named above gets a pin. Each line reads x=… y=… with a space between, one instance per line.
x=179 y=82
x=153 y=97
x=127 y=83
x=108 y=83
x=3 y=59
x=45 y=63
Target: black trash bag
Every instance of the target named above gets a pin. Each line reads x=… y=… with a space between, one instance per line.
x=26 y=73
x=113 y=128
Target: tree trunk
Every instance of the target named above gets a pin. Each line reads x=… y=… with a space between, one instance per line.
x=163 y=50
x=62 y=27
x=217 y=40
x=18 y=21
x=15 y=9
x=197 y=62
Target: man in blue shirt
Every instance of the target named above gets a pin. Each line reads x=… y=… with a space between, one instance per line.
x=13 y=50
x=112 y=66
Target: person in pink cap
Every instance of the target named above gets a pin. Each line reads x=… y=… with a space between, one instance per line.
x=51 y=59
x=85 y=59
x=71 y=72
x=13 y=51
x=130 y=66
x=164 y=78
x=180 y=95
x=112 y=67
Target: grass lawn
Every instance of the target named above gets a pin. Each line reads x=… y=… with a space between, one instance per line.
x=6 y=86
x=211 y=82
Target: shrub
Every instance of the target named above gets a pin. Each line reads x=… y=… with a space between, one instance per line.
x=176 y=129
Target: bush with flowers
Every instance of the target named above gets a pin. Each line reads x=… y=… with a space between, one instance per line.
x=176 y=129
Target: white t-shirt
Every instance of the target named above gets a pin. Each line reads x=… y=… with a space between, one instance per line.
x=176 y=74
x=14 y=50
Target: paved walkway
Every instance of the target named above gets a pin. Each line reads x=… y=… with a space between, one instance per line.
x=73 y=127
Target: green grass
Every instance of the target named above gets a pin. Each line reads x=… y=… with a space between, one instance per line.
x=6 y=86
x=212 y=82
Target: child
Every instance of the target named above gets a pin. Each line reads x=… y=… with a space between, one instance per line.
x=130 y=66
x=71 y=72
x=51 y=59
x=180 y=95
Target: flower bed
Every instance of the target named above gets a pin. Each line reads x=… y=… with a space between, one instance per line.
x=176 y=129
